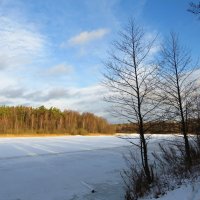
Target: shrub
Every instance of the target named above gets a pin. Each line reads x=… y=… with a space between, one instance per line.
x=170 y=170
x=135 y=180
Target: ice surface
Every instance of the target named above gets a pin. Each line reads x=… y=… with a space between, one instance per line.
x=56 y=168
x=69 y=168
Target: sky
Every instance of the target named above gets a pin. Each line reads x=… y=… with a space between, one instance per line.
x=52 y=52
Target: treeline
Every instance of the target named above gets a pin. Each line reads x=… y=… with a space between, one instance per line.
x=161 y=127
x=21 y=119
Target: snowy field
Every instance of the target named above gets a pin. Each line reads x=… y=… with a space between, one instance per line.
x=67 y=168
x=61 y=168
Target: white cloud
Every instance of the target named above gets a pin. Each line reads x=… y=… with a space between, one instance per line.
x=60 y=69
x=7 y=80
x=87 y=99
x=88 y=36
x=20 y=43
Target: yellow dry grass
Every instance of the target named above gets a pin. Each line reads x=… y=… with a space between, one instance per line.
x=4 y=135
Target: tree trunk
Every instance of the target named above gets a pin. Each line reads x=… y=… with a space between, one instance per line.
x=144 y=153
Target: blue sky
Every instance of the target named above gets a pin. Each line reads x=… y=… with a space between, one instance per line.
x=51 y=51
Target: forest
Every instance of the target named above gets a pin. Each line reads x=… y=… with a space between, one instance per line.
x=161 y=127
x=41 y=120
x=28 y=120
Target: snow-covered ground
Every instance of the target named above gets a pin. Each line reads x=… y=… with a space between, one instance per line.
x=69 y=168
x=191 y=191
x=61 y=168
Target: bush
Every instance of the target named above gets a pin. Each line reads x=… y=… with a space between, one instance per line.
x=195 y=150
x=172 y=165
x=170 y=170
x=172 y=158
x=135 y=180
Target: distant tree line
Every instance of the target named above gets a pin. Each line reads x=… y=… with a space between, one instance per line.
x=161 y=127
x=21 y=119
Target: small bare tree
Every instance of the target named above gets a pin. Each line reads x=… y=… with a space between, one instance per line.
x=177 y=85
x=131 y=80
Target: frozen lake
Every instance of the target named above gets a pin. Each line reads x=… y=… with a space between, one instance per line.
x=69 y=168
x=62 y=168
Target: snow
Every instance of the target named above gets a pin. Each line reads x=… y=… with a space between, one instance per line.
x=69 y=168
x=59 y=168
x=191 y=191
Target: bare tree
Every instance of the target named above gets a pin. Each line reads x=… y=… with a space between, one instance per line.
x=131 y=79
x=194 y=8
x=177 y=85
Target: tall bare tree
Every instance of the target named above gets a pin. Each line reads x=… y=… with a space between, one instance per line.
x=177 y=85
x=131 y=80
